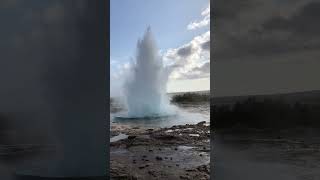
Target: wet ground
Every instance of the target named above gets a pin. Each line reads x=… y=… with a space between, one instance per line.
x=278 y=155
x=15 y=157
x=178 y=152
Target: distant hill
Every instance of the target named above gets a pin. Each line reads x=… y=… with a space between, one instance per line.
x=206 y=92
x=291 y=110
x=306 y=97
x=191 y=97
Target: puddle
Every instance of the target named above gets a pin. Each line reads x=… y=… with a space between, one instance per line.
x=118 y=137
x=194 y=135
x=186 y=129
x=185 y=147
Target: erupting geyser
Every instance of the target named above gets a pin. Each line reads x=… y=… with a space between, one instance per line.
x=146 y=86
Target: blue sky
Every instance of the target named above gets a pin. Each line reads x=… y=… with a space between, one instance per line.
x=168 y=19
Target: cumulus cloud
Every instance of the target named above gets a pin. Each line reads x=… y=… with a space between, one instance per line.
x=191 y=60
x=201 y=23
x=188 y=61
x=252 y=29
x=185 y=51
x=118 y=71
x=263 y=46
x=299 y=22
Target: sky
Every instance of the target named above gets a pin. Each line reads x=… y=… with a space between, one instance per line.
x=182 y=33
x=265 y=46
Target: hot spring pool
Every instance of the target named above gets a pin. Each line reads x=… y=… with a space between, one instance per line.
x=185 y=114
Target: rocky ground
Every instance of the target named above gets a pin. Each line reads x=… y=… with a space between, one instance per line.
x=178 y=152
x=289 y=154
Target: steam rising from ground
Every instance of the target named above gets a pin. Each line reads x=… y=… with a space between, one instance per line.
x=145 y=87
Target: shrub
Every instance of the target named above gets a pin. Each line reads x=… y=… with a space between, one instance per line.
x=267 y=113
x=190 y=97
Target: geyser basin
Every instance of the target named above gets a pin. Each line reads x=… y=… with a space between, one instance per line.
x=151 y=116
x=182 y=117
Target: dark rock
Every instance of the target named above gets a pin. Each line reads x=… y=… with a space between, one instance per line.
x=190 y=170
x=153 y=173
x=131 y=137
x=158 y=158
x=165 y=137
x=305 y=145
x=201 y=123
x=184 y=177
x=203 y=168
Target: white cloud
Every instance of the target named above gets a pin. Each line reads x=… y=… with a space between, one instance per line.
x=201 y=23
x=188 y=62
x=191 y=60
x=206 y=11
x=119 y=70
